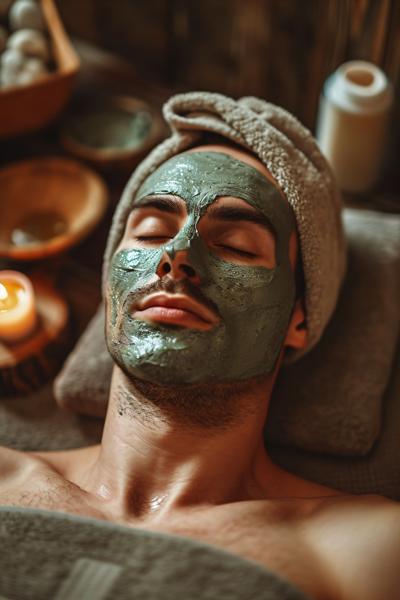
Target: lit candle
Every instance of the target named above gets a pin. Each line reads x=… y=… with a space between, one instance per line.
x=17 y=306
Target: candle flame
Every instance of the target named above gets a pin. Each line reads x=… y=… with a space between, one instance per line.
x=3 y=292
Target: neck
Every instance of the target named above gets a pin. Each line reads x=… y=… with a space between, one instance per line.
x=163 y=449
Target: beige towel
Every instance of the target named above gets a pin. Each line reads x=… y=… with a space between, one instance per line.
x=56 y=556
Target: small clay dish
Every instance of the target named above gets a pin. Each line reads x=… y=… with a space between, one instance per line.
x=111 y=131
x=47 y=205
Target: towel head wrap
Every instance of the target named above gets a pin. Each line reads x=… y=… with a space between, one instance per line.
x=290 y=153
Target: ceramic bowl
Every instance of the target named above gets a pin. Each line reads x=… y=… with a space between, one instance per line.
x=47 y=205
x=111 y=131
x=32 y=106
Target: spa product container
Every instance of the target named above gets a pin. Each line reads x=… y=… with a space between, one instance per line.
x=352 y=124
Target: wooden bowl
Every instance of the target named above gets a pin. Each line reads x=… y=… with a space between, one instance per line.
x=29 y=107
x=46 y=206
x=103 y=130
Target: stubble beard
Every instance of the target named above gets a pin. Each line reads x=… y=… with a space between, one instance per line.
x=207 y=406
x=212 y=406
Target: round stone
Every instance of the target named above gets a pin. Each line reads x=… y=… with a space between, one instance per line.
x=35 y=66
x=30 y=43
x=11 y=60
x=32 y=70
x=26 y=14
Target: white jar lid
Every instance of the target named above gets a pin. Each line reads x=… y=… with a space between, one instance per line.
x=360 y=87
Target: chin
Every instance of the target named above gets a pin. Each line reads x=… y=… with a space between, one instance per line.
x=160 y=375
x=181 y=366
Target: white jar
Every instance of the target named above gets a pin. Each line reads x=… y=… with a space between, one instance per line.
x=352 y=123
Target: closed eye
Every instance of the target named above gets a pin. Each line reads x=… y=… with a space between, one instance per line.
x=151 y=241
x=237 y=251
x=147 y=227
x=152 y=238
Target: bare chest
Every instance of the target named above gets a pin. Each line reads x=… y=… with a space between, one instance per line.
x=257 y=535
x=49 y=491
x=245 y=529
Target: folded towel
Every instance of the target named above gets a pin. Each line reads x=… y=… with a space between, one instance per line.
x=378 y=472
x=329 y=401
x=56 y=556
x=292 y=156
x=83 y=384
x=35 y=422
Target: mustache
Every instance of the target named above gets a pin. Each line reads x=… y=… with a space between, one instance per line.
x=171 y=286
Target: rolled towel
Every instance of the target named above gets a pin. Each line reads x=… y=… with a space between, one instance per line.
x=83 y=384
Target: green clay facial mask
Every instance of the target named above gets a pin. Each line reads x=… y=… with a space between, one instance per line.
x=254 y=303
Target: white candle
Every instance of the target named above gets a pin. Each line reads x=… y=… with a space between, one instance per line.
x=17 y=306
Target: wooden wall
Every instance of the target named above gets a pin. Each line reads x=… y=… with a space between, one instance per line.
x=281 y=50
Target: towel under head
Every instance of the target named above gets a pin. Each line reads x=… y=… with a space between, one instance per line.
x=291 y=154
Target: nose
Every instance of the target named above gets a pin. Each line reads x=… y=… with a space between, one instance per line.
x=177 y=267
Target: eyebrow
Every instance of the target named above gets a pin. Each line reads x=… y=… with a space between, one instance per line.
x=167 y=204
x=231 y=214
x=172 y=205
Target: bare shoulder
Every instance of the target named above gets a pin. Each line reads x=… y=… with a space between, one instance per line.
x=37 y=480
x=63 y=461
x=16 y=466
x=368 y=509
x=359 y=536
x=13 y=463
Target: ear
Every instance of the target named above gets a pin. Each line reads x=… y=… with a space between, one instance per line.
x=297 y=334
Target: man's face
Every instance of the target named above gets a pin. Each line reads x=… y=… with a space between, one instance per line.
x=201 y=288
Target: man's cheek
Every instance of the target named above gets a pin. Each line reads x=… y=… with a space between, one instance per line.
x=112 y=306
x=236 y=288
x=135 y=268
x=120 y=283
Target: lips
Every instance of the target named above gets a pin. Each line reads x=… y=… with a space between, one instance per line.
x=176 y=310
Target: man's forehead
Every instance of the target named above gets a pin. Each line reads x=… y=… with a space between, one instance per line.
x=205 y=163
x=199 y=177
x=239 y=154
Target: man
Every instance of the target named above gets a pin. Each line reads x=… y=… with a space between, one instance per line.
x=203 y=303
